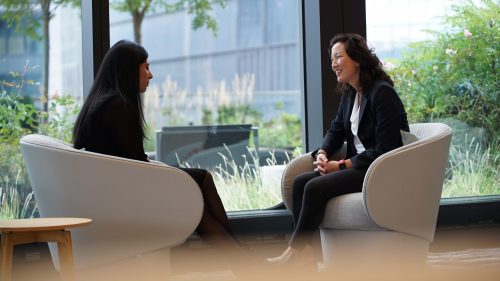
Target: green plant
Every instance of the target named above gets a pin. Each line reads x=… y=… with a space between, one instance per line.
x=473 y=171
x=18 y=118
x=60 y=118
x=14 y=204
x=454 y=79
x=241 y=188
x=455 y=75
x=232 y=114
x=282 y=131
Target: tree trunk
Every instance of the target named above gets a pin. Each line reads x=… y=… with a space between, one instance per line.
x=46 y=54
x=137 y=19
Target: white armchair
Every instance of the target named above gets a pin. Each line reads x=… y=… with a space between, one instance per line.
x=136 y=207
x=393 y=219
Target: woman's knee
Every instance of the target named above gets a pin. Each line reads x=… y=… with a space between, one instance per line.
x=314 y=189
x=208 y=176
x=300 y=181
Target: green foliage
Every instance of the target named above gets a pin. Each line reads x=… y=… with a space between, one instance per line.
x=16 y=120
x=474 y=171
x=242 y=188
x=25 y=15
x=60 y=118
x=14 y=204
x=454 y=79
x=232 y=114
x=19 y=118
x=455 y=75
x=198 y=8
x=283 y=131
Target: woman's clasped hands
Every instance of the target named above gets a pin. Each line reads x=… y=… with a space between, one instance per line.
x=323 y=166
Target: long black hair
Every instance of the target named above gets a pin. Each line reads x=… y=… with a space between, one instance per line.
x=118 y=76
x=370 y=67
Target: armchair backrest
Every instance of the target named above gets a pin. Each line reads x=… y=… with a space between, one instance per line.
x=402 y=188
x=136 y=207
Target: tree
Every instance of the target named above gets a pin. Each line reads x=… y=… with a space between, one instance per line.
x=27 y=16
x=139 y=8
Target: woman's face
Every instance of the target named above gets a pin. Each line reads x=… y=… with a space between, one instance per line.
x=144 y=76
x=345 y=68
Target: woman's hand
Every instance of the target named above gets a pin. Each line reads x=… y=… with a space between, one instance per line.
x=326 y=167
x=320 y=158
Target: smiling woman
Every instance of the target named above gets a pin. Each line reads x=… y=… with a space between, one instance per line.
x=366 y=92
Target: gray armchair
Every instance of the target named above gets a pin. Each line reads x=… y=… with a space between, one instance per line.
x=393 y=219
x=137 y=208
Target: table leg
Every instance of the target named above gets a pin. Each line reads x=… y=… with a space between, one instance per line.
x=65 y=250
x=7 y=246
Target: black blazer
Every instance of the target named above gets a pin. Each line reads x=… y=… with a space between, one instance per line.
x=382 y=116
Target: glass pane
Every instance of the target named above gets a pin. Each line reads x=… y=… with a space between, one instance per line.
x=32 y=99
x=228 y=102
x=443 y=58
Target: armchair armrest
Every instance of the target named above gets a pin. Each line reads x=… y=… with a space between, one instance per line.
x=402 y=188
x=299 y=165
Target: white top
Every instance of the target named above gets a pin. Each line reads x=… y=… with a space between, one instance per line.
x=355 y=124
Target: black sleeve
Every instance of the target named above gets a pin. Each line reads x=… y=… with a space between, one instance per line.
x=335 y=135
x=121 y=119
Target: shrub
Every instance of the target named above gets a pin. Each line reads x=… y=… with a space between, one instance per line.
x=455 y=75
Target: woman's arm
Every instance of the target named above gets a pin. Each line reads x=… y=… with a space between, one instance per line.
x=335 y=135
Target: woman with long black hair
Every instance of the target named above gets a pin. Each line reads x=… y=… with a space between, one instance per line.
x=111 y=122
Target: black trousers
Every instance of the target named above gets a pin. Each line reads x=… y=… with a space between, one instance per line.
x=310 y=193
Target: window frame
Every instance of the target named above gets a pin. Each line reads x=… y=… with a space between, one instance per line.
x=319 y=21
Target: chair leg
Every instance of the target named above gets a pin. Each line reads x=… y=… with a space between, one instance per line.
x=7 y=248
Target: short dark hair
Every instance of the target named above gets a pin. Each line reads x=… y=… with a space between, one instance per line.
x=370 y=67
x=118 y=75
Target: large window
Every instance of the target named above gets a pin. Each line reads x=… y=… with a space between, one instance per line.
x=247 y=80
x=229 y=101
x=40 y=88
x=443 y=57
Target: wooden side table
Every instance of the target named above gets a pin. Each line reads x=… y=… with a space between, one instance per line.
x=23 y=231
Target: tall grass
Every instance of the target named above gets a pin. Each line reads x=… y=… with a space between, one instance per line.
x=242 y=187
x=13 y=204
x=473 y=171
